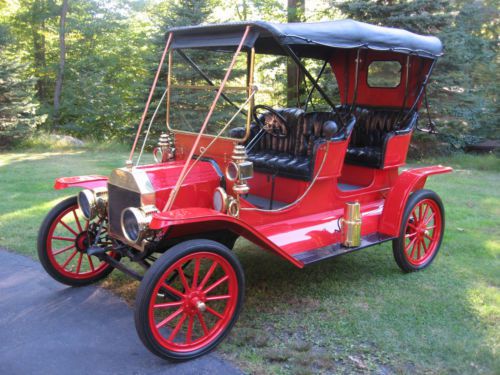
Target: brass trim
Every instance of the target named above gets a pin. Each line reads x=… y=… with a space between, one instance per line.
x=98 y=202
x=239 y=159
x=89 y=195
x=229 y=175
x=135 y=180
x=225 y=199
x=143 y=216
x=251 y=89
x=165 y=148
x=233 y=207
x=101 y=195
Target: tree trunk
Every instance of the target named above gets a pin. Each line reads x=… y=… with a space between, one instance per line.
x=243 y=14
x=38 y=29
x=296 y=12
x=62 y=61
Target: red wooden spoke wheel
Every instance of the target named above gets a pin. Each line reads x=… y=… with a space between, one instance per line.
x=189 y=299
x=63 y=241
x=421 y=232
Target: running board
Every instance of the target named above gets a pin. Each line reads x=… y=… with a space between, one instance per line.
x=331 y=251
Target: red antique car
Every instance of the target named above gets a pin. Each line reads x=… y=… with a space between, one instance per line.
x=246 y=152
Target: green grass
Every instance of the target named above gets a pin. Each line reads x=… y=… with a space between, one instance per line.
x=352 y=314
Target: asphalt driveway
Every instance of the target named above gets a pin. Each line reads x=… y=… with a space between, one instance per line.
x=48 y=328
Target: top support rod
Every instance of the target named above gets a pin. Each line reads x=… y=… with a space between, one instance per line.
x=151 y=92
x=182 y=176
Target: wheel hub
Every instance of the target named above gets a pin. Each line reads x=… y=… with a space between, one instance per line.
x=422 y=231
x=82 y=242
x=194 y=303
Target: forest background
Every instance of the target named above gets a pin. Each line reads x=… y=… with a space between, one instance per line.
x=84 y=67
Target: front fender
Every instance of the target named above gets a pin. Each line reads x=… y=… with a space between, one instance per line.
x=88 y=182
x=406 y=183
x=189 y=221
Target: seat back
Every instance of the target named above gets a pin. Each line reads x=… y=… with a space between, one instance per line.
x=374 y=127
x=304 y=129
x=315 y=128
x=292 y=143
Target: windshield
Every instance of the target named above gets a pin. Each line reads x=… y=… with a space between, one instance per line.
x=193 y=80
x=282 y=85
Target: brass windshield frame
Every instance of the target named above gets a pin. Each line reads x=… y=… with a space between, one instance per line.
x=249 y=88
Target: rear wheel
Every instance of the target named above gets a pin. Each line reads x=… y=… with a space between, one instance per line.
x=421 y=231
x=63 y=240
x=189 y=299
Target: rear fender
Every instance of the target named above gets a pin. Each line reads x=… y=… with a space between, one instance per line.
x=88 y=182
x=189 y=221
x=406 y=183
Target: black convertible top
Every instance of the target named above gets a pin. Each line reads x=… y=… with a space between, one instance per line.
x=307 y=39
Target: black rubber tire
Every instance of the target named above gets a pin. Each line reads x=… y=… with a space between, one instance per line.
x=150 y=279
x=398 y=243
x=42 y=248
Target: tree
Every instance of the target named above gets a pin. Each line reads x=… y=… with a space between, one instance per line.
x=295 y=13
x=17 y=106
x=62 y=60
x=86 y=66
x=30 y=26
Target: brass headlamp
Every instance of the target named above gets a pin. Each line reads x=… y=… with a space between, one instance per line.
x=135 y=222
x=93 y=202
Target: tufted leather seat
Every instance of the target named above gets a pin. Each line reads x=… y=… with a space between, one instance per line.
x=373 y=129
x=282 y=156
x=292 y=156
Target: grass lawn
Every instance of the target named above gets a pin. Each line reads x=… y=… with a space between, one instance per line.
x=352 y=314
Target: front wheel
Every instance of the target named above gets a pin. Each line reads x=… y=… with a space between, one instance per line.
x=63 y=240
x=189 y=299
x=421 y=231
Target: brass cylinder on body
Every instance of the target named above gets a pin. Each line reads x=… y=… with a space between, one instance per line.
x=351 y=225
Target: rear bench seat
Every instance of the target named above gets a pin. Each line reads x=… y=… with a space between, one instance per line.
x=374 y=127
x=293 y=156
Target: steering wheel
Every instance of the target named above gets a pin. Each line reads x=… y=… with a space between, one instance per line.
x=275 y=125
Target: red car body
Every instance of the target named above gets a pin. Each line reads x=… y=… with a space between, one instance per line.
x=308 y=226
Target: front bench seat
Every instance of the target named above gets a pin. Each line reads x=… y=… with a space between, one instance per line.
x=293 y=156
x=282 y=156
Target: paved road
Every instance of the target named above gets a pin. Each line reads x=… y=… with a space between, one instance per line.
x=48 y=328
